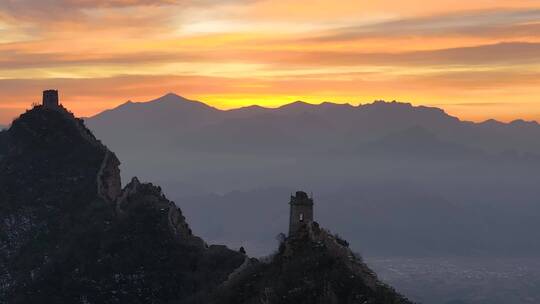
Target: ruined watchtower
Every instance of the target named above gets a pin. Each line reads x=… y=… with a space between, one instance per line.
x=301 y=211
x=50 y=99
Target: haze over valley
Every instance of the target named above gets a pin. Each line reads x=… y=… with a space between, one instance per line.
x=441 y=184
x=399 y=182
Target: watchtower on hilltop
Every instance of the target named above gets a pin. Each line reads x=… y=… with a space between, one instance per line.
x=301 y=211
x=50 y=99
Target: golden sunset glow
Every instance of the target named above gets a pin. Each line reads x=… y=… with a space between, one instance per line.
x=475 y=59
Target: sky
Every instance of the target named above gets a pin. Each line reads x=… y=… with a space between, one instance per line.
x=475 y=59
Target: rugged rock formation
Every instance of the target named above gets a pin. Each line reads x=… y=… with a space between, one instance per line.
x=108 y=179
x=70 y=234
x=136 y=195
x=312 y=267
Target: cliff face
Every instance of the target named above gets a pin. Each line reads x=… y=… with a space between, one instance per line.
x=70 y=234
x=109 y=183
x=312 y=267
x=139 y=196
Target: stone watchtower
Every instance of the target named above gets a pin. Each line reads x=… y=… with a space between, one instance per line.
x=50 y=99
x=301 y=211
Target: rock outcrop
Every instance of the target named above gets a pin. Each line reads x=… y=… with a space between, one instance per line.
x=136 y=195
x=108 y=179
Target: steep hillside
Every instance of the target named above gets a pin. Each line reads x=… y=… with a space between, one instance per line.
x=312 y=267
x=70 y=234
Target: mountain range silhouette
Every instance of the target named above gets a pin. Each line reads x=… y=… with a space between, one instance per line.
x=441 y=185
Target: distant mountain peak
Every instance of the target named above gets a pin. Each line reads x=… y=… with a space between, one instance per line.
x=301 y=106
x=521 y=122
x=170 y=105
x=296 y=104
x=250 y=107
x=333 y=104
x=383 y=104
x=174 y=100
x=492 y=122
x=170 y=97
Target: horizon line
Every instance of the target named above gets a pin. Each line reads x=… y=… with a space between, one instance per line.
x=440 y=107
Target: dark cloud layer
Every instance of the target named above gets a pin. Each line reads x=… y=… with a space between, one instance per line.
x=44 y=12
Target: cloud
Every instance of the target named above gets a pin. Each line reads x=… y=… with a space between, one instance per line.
x=493 y=54
x=50 y=6
x=13 y=60
x=468 y=23
x=502 y=56
x=39 y=16
x=56 y=8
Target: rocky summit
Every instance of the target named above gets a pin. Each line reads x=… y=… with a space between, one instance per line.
x=69 y=233
x=312 y=267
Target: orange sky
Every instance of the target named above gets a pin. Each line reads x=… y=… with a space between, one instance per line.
x=476 y=59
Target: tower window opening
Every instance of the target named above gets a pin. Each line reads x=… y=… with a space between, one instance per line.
x=301 y=217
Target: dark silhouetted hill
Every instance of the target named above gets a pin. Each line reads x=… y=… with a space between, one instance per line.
x=312 y=267
x=70 y=234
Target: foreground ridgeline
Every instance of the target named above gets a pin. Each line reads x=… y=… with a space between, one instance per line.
x=312 y=266
x=69 y=233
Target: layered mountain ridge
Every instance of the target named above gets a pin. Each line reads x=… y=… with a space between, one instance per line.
x=440 y=184
x=301 y=123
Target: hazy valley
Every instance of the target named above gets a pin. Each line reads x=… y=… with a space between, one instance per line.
x=440 y=185
x=393 y=179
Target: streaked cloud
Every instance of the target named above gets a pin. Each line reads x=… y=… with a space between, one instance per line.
x=518 y=53
x=476 y=23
